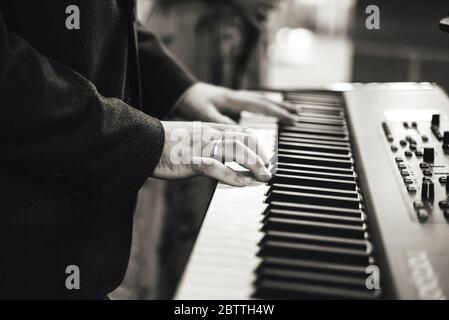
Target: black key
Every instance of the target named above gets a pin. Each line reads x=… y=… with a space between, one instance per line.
x=318 y=239
x=314 y=199
x=314 y=208
x=316 y=161
x=313 y=190
x=314 y=182
x=319 y=142
x=312 y=227
x=319 y=137
x=317 y=174
x=288 y=290
x=298 y=166
x=320 y=252
x=314 y=147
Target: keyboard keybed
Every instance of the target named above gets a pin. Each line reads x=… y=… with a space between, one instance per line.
x=316 y=241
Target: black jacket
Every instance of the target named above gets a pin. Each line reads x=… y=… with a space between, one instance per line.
x=73 y=154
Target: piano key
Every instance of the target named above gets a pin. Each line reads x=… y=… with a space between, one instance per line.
x=315 y=199
x=308 y=160
x=314 y=147
x=288 y=290
x=319 y=137
x=320 y=121
x=313 y=238
x=313 y=277
x=325 y=155
x=320 y=252
x=317 y=174
x=311 y=216
x=298 y=166
x=312 y=141
x=315 y=208
x=314 y=227
x=316 y=131
x=313 y=182
x=320 y=98
x=305 y=264
x=313 y=190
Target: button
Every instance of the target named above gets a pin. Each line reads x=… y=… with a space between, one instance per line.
x=427 y=191
x=427 y=172
x=425 y=138
x=446 y=140
x=425 y=179
x=409 y=138
x=435 y=120
x=443 y=179
x=405 y=173
x=444 y=204
x=399 y=159
x=419 y=153
x=422 y=214
x=429 y=155
x=394 y=148
x=390 y=138
x=403 y=143
x=411 y=189
x=406 y=125
x=423 y=165
x=418 y=205
x=413 y=147
x=408 y=180
x=414 y=124
x=402 y=166
x=408 y=153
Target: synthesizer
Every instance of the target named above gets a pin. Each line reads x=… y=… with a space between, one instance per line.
x=357 y=208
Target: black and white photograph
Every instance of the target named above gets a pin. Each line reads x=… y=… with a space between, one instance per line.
x=224 y=155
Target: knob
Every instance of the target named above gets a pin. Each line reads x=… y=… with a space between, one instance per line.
x=446 y=140
x=435 y=120
x=429 y=155
x=427 y=191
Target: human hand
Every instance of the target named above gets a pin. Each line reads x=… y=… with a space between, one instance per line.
x=211 y=103
x=195 y=149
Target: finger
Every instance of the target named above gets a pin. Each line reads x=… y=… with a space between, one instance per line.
x=251 y=141
x=291 y=107
x=234 y=150
x=217 y=170
x=213 y=115
x=261 y=106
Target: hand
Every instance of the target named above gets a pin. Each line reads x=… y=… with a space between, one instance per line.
x=194 y=148
x=256 y=11
x=210 y=103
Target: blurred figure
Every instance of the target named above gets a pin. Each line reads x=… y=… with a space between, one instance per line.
x=221 y=41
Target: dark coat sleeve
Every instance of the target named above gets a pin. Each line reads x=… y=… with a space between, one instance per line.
x=54 y=124
x=163 y=78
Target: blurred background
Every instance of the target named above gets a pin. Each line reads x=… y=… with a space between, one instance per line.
x=269 y=44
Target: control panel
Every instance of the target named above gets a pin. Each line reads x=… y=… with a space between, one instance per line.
x=420 y=151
